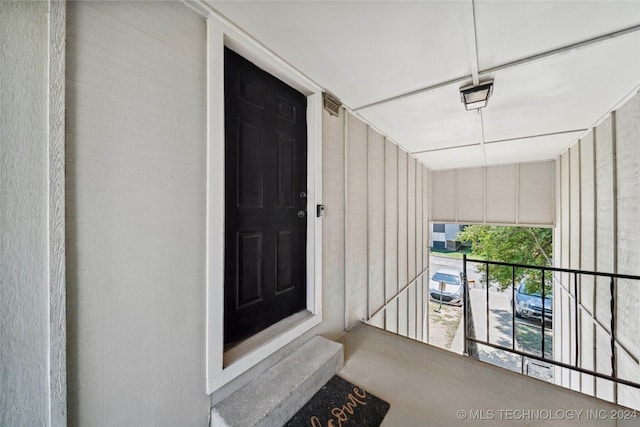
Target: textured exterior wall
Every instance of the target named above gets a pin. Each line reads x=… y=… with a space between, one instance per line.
x=356 y=262
x=561 y=324
x=332 y=226
x=391 y=233
x=422 y=248
x=470 y=195
x=568 y=312
x=136 y=192
x=501 y=192
x=606 y=244
x=412 y=302
x=375 y=231
x=24 y=376
x=502 y=195
x=536 y=193
x=600 y=205
x=443 y=196
x=587 y=255
x=627 y=136
x=385 y=214
x=403 y=238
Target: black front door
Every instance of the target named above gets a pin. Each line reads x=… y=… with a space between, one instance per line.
x=265 y=207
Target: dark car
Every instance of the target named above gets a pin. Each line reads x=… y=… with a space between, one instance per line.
x=528 y=302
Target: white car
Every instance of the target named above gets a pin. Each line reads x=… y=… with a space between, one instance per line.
x=446 y=286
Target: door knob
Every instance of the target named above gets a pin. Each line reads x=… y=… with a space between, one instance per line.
x=300 y=214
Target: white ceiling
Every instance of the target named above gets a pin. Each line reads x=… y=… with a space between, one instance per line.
x=400 y=64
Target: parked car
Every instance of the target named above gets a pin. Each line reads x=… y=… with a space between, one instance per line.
x=446 y=286
x=528 y=302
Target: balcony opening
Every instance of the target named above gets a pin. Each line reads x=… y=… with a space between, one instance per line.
x=503 y=305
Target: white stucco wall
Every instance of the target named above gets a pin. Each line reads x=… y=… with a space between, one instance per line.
x=136 y=193
x=600 y=205
x=24 y=376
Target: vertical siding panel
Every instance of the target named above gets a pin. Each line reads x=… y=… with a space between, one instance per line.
x=333 y=238
x=470 y=195
x=426 y=238
x=411 y=242
x=501 y=194
x=31 y=289
x=627 y=155
x=391 y=232
x=574 y=253
x=402 y=240
x=356 y=275
x=376 y=224
x=419 y=249
x=443 y=190
x=557 y=261
x=535 y=193
x=587 y=257
x=606 y=244
x=562 y=316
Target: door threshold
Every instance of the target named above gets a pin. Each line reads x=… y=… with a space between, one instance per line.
x=238 y=350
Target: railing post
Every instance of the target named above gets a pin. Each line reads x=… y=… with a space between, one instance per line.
x=543 y=313
x=513 y=308
x=575 y=309
x=465 y=312
x=487 y=283
x=427 y=312
x=612 y=290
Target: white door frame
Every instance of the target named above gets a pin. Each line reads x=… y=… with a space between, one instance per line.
x=220 y=34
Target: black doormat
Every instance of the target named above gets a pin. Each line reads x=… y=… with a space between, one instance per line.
x=339 y=402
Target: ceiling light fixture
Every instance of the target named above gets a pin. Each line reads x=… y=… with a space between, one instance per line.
x=476 y=97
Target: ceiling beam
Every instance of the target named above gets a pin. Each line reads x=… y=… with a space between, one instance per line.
x=562 y=132
x=500 y=140
x=455 y=147
x=472 y=43
x=482 y=141
x=465 y=78
x=511 y=64
x=563 y=49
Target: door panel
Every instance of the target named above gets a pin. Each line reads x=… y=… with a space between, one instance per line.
x=250 y=271
x=250 y=160
x=265 y=206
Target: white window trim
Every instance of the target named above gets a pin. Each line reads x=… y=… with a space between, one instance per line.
x=221 y=33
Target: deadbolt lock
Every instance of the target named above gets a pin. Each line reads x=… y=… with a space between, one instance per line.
x=300 y=214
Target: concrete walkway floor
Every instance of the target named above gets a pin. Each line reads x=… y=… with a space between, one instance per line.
x=428 y=386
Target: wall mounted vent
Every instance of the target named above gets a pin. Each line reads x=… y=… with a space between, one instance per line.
x=331 y=103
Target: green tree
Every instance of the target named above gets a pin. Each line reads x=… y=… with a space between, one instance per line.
x=517 y=245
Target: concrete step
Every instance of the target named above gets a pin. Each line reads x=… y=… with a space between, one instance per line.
x=278 y=393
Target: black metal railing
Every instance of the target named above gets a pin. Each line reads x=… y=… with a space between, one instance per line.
x=547 y=280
